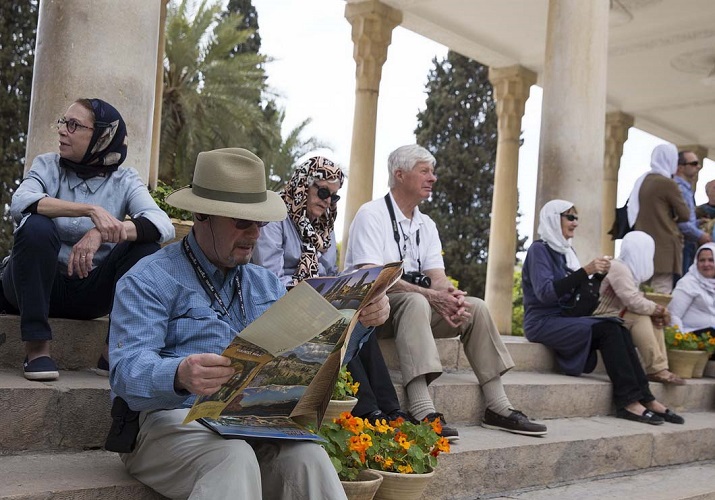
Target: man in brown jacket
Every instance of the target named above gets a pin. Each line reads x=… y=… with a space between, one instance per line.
x=661 y=208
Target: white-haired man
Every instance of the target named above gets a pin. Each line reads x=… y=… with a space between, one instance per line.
x=173 y=315
x=393 y=228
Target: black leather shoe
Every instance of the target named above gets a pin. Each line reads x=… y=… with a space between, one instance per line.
x=447 y=432
x=374 y=416
x=516 y=422
x=395 y=414
x=647 y=417
x=670 y=416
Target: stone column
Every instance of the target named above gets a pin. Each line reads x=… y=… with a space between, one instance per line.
x=158 y=98
x=572 y=124
x=617 y=125
x=511 y=90
x=372 y=24
x=103 y=49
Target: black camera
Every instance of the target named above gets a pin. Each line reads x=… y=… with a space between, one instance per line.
x=417 y=278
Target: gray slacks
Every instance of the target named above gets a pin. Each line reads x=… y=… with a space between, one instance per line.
x=190 y=461
x=415 y=325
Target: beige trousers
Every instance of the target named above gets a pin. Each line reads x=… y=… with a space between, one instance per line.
x=662 y=283
x=649 y=340
x=415 y=325
x=190 y=461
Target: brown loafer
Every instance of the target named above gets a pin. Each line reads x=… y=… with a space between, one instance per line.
x=666 y=377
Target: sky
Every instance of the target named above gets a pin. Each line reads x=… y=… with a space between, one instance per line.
x=313 y=73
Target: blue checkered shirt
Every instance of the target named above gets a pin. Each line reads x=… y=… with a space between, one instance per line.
x=690 y=228
x=162 y=313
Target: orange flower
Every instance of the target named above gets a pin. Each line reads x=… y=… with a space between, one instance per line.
x=360 y=444
x=402 y=440
x=354 y=424
x=405 y=469
x=388 y=463
x=436 y=426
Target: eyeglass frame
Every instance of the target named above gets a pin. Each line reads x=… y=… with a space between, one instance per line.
x=71 y=125
x=243 y=224
x=570 y=217
x=324 y=193
x=694 y=163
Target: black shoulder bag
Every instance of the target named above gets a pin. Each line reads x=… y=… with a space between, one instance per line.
x=584 y=299
x=620 y=226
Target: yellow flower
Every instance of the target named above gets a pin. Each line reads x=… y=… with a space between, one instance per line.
x=382 y=426
x=388 y=462
x=678 y=336
x=403 y=441
x=405 y=469
x=354 y=387
x=711 y=341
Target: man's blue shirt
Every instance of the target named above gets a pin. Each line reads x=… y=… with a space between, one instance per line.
x=689 y=229
x=162 y=314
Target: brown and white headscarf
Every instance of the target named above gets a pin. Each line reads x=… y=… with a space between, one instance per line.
x=314 y=235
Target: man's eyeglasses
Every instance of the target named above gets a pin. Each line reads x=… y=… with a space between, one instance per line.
x=245 y=223
x=570 y=217
x=691 y=163
x=71 y=124
x=324 y=193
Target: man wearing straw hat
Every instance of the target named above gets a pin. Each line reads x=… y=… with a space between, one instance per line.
x=175 y=312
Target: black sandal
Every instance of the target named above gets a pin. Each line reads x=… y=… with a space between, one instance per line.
x=671 y=416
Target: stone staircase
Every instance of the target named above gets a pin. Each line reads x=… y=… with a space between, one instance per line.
x=51 y=433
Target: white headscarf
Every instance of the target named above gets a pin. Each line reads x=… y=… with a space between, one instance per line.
x=550 y=231
x=694 y=283
x=663 y=161
x=637 y=251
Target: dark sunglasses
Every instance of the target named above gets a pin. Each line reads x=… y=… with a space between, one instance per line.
x=691 y=163
x=570 y=217
x=324 y=193
x=245 y=223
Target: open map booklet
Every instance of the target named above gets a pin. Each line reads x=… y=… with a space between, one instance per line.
x=287 y=360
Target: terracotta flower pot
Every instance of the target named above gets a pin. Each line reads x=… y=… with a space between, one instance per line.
x=699 y=368
x=683 y=363
x=365 y=487
x=396 y=486
x=337 y=406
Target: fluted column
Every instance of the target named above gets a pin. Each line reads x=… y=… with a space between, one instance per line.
x=158 y=98
x=617 y=125
x=103 y=49
x=511 y=90
x=572 y=121
x=372 y=24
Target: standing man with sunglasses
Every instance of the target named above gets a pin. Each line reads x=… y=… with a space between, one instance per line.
x=424 y=305
x=175 y=313
x=686 y=177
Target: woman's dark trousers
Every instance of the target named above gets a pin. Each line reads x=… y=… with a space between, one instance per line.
x=33 y=285
x=376 y=391
x=630 y=383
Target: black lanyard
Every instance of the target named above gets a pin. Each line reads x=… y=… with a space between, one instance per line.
x=211 y=289
x=390 y=209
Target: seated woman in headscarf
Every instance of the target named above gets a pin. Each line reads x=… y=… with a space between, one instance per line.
x=692 y=307
x=72 y=242
x=550 y=276
x=302 y=246
x=620 y=296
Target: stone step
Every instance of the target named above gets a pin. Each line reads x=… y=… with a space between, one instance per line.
x=89 y=475
x=684 y=482
x=75 y=345
x=70 y=413
x=73 y=412
x=487 y=462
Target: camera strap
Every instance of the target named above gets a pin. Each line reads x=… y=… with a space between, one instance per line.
x=396 y=233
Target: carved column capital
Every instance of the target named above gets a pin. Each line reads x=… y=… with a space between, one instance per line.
x=511 y=90
x=372 y=24
x=617 y=125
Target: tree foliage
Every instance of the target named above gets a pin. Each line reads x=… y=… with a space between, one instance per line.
x=459 y=127
x=249 y=21
x=212 y=97
x=18 y=25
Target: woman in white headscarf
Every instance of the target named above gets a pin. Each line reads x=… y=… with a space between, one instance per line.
x=621 y=296
x=692 y=307
x=655 y=206
x=550 y=276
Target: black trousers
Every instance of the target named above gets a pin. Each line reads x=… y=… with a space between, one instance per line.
x=630 y=383
x=33 y=286
x=376 y=391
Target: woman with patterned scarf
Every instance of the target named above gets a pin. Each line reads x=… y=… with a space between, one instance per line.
x=302 y=246
x=72 y=242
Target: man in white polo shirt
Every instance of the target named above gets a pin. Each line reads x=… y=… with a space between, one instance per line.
x=425 y=305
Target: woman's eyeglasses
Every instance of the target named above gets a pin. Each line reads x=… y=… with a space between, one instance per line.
x=71 y=124
x=570 y=217
x=324 y=193
x=243 y=224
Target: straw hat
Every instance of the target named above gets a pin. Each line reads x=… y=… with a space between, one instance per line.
x=230 y=182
